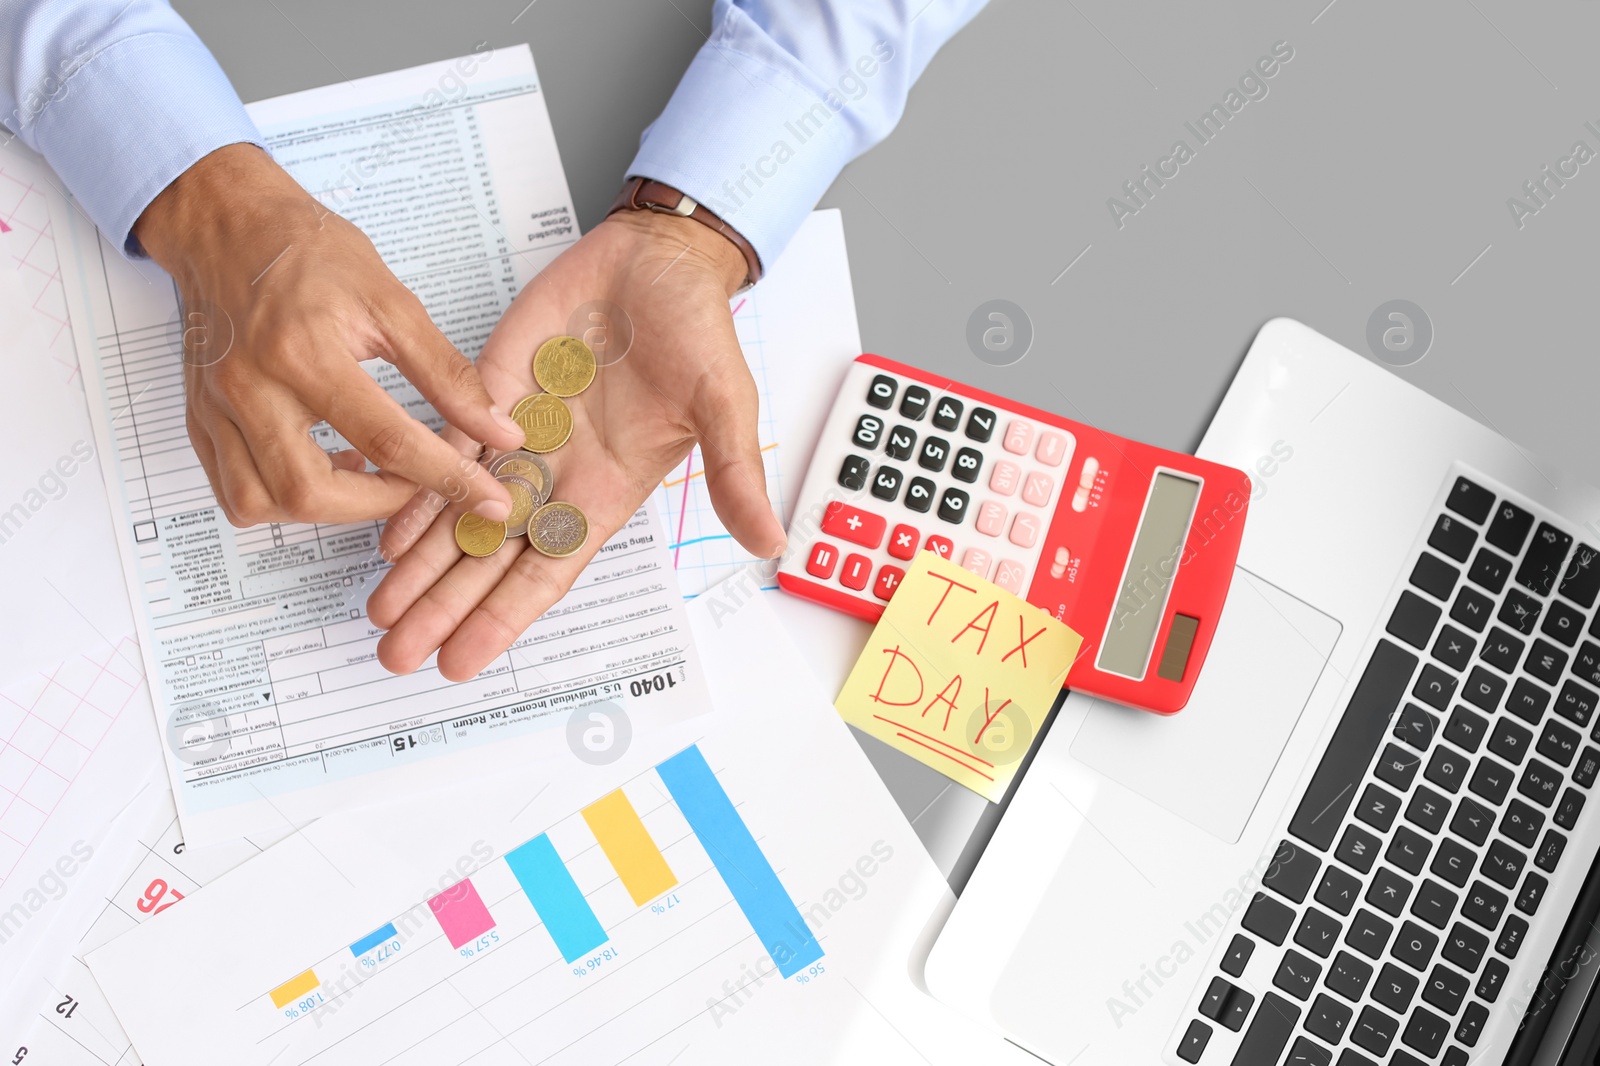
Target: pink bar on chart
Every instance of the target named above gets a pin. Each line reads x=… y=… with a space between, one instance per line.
x=461 y=914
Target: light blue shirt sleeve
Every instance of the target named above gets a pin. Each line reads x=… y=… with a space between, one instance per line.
x=782 y=95
x=119 y=96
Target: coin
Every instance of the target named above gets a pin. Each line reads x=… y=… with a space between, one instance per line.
x=545 y=420
x=524 y=501
x=563 y=366
x=558 y=530
x=478 y=536
x=526 y=464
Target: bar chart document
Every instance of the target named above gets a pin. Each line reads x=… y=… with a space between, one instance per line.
x=272 y=706
x=738 y=889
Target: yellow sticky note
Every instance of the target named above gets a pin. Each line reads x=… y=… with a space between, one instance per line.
x=959 y=674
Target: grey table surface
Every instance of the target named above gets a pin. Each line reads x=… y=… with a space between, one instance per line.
x=1380 y=162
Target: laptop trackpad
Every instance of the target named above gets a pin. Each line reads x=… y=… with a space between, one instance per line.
x=1208 y=763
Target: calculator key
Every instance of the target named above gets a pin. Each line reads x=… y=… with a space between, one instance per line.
x=902 y=443
x=980 y=425
x=1005 y=477
x=976 y=561
x=940 y=546
x=1470 y=500
x=1025 y=530
x=1011 y=576
x=991 y=521
x=869 y=431
x=903 y=541
x=880 y=393
x=1052 y=449
x=947 y=414
x=969 y=461
x=935 y=450
x=919 y=494
x=853 y=474
x=889 y=578
x=953 y=506
x=823 y=558
x=886 y=485
x=1037 y=487
x=857 y=570
x=914 y=404
x=853 y=524
x=1019 y=437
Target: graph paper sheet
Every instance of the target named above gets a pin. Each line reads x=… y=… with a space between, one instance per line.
x=500 y=925
x=799 y=334
x=272 y=707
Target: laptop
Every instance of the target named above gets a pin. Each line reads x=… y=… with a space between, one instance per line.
x=1371 y=835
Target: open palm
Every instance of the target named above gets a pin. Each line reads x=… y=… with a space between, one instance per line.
x=683 y=381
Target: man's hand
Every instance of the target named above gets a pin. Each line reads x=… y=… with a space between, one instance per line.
x=282 y=298
x=684 y=380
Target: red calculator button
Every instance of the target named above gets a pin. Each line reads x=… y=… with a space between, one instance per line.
x=903 y=541
x=853 y=524
x=824 y=557
x=1024 y=530
x=1004 y=478
x=1010 y=575
x=1052 y=448
x=1019 y=437
x=1037 y=488
x=991 y=519
x=940 y=546
x=889 y=578
x=857 y=569
x=977 y=561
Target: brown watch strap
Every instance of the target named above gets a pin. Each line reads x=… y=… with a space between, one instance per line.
x=647 y=194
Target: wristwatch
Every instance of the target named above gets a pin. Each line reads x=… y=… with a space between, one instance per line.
x=646 y=194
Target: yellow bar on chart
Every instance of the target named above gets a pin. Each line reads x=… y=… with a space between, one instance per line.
x=626 y=842
x=294 y=988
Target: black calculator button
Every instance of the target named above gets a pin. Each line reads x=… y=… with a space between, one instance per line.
x=880 y=393
x=914 y=404
x=853 y=474
x=886 y=485
x=935 y=453
x=980 y=426
x=919 y=494
x=953 y=506
x=947 y=414
x=968 y=462
x=901 y=444
x=1470 y=500
x=1509 y=528
x=869 y=431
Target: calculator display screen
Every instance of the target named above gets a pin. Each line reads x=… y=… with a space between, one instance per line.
x=1153 y=563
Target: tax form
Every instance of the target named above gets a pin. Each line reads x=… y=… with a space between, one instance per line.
x=271 y=703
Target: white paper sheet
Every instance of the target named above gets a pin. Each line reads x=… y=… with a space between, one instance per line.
x=682 y=976
x=271 y=704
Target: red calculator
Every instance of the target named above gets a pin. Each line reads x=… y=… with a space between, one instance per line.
x=1131 y=545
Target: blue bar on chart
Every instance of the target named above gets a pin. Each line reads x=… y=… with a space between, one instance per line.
x=739 y=859
x=373 y=939
x=556 y=897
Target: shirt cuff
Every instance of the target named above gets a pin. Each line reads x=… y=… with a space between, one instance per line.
x=132 y=119
x=748 y=140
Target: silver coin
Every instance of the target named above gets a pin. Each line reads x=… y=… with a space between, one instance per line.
x=526 y=464
x=524 y=502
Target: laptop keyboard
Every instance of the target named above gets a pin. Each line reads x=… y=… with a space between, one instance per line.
x=1423 y=844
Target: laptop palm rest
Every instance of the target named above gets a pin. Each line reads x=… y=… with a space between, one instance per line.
x=1209 y=763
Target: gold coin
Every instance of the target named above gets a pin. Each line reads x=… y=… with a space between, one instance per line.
x=478 y=536
x=545 y=420
x=558 y=530
x=524 y=501
x=563 y=366
x=525 y=464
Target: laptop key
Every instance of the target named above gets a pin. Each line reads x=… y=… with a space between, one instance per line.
x=1559 y=744
x=1576 y=704
x=1472 y=608
x=1453 y=862
x=1358 y=848
x=1447 y=768
x=1466 y=729
x=1348 y=976
x=1446 y=990
x=1484 y=689
x=1473 y=821
x=1267 y=918
x=1318 y=932
x=1240 y=948
x=1490 y=780
x=1398 y=767
x=1588 y=767
x=1521 y=823
x=1501 y=650
x=1434 y=576
x=1426 y=1032
x=1452 y=537
x=1581 y=581
x=1520 y=611
x=1547 y=556
x=1413 y=619
x=1509 y=528
x=1305 y=1053
x=1511 y=937
x=1389 y=892
x=1489 y=570
x=1415 y=946
x=1470 y=500
x=1269 y=1033
x=1465 y=947
x=1434 y=904
x=1427 y=809
x=1297 y=974
x=1567 y=811
x=1549 y=851
x=1453 y=647
x=1415 y=727
x=1374 y=1031
x=1503 y=864
x=1540 y=782
x=1494 y=977
x=1408 y=849
x=1292 y=872
x=1368 y=934
x=1328 y=1019
x=1586 y=663
x=1395 y=988
x=1563 y=623
x=1338 y=890
x=1546 y=662
x=1472 y=1022
x=1532 y=894
x=1510 y=741
x=1527 y=700
x=1194 y=1042
x=1484 y=906
x=1355 y=741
